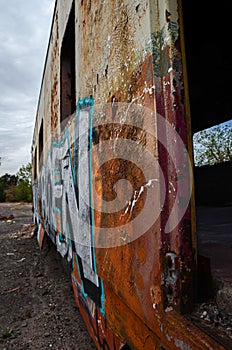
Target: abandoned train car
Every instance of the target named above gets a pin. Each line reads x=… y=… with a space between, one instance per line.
x=112 y=169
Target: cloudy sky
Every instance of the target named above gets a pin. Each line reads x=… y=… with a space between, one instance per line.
x=24 y=35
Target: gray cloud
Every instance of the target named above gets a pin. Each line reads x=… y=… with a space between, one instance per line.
x=24 y=34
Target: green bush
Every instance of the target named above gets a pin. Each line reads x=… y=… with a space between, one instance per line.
x=17 y=188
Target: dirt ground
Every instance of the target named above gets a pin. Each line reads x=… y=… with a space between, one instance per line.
x=37 y=305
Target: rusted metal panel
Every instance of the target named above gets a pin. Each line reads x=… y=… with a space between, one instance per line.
x=129 y=246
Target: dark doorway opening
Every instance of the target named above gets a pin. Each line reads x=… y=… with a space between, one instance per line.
x=67 y=71
x=41 y=144
x=35 y=165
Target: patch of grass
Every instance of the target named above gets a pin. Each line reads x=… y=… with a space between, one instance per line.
x=6 y=333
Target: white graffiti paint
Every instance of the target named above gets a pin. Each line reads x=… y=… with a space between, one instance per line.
x=66 y=212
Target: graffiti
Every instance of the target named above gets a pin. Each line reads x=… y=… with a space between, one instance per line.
x=95 y=320
x=64 y=187
x=36 y=216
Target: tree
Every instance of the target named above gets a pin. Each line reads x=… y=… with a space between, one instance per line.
x=214 y=145
x=17 y=187
x=23 y=190
x=6 y=181
x=25 y=174
x=10 y=194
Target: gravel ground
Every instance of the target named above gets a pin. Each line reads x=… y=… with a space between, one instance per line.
x=37 y=305
x=217 y=323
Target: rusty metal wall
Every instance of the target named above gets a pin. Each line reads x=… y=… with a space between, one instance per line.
x=133 y=260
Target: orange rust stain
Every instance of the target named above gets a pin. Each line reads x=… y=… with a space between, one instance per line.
x=97 y=182
x=57 y=177
x=119 y=267
x=168 y=332
x=141 y=77
x=99 y=329
x=142 y=255
x=54 y=79
x=127 y=324
x=111 y=173
x=116 y=169
x=75 y=272
x=139 y=281
x=58 y=223
x=155 y=295
x=41 y=237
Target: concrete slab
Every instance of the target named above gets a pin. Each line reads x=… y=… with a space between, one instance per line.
x=214 y=235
